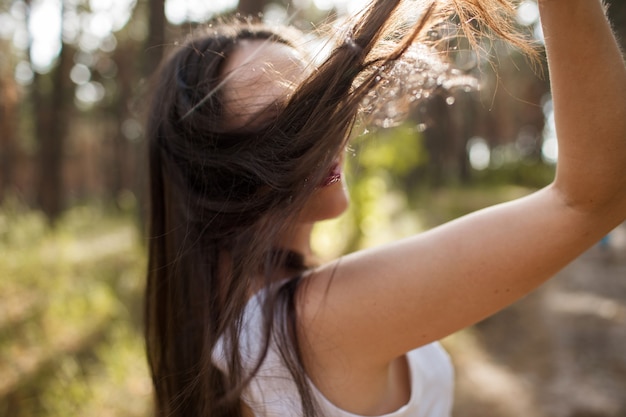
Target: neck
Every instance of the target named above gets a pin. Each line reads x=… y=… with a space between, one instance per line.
x=299 y=239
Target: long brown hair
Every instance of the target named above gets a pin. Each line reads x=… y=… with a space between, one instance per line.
x=221 y=198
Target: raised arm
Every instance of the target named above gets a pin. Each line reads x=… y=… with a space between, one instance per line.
x=588 y=82
x=372 y=306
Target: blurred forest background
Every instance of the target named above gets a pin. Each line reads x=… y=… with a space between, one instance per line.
x=73 y=75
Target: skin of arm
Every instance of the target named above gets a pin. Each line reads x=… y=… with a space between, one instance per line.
x=359 y=314
x=588 y=80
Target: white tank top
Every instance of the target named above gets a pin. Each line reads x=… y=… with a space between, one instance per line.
x=273 y=393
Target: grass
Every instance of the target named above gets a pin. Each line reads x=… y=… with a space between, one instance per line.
x=69 y=331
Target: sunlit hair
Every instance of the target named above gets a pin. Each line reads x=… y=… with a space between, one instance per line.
x=221 y=198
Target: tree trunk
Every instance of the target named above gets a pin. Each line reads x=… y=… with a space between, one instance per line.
x=8 y=127
x=155 y=41
x=153 y=54
x=52 y=118
x=120 y=152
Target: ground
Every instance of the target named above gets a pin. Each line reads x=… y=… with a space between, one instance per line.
x=560 y=352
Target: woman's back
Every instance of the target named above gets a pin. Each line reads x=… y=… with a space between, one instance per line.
x=272 y=391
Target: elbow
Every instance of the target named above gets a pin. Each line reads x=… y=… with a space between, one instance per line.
x=604 y=199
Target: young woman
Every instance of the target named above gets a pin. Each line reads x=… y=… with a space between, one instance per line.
x=246 y=137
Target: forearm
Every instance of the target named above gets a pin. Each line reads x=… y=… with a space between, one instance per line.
x=588 y=82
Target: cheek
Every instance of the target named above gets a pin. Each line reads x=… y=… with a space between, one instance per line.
x=326 y=203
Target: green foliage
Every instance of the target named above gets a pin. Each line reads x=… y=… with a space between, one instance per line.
x=69 y=324
x=389 y=203
x=438 y=206
x=377 y=164
x=524 y=173
x=397 y=151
